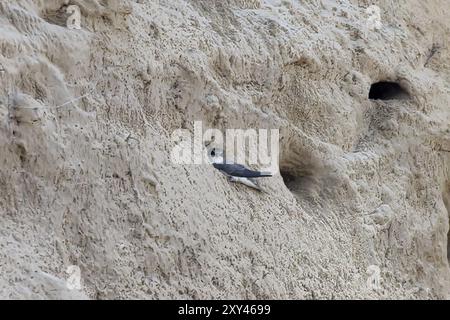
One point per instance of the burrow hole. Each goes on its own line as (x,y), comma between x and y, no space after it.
(299,172)
(297,181)
(387,90)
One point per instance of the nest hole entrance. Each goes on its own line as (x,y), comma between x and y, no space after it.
(387,90)
(299,169)
(298,182)
(290,180)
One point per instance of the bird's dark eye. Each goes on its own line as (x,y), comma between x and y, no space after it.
(213,152)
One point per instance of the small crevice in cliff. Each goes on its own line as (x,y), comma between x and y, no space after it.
(387,90)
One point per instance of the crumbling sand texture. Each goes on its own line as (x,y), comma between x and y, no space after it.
(90,183)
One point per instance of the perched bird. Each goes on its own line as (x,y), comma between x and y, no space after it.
(236,172)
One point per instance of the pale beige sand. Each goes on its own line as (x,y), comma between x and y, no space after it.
(91,183)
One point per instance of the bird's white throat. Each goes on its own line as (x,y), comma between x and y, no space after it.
(218,160)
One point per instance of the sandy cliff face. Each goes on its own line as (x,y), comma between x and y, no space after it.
(364,184)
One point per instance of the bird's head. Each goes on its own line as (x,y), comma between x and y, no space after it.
(215,155)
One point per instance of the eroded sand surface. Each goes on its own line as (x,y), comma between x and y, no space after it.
(91,184)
